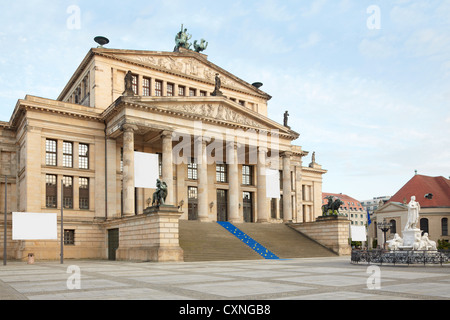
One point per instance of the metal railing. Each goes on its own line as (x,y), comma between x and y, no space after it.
(380,256)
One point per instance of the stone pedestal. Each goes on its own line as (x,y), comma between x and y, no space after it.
(410,237)
(152,236)
(331,232)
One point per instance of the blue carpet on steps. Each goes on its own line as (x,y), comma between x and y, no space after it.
(258,248)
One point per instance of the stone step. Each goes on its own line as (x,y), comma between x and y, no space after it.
(208,241)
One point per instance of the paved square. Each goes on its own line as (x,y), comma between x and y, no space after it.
(292,279)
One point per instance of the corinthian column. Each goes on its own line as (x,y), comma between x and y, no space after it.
(167,165)
(262,209)
(128,169)
(233,175)
(202,167)
(287,205)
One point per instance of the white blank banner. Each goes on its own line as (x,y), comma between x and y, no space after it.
(272,183)
(146,170)
(34,226)
(358,233)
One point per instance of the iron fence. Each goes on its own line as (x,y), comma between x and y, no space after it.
(380,256)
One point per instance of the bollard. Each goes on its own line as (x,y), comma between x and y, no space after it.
(31,258)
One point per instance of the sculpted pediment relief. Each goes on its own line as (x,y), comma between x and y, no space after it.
(188,66)
(219,112)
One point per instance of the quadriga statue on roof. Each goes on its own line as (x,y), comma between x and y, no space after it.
(181,40)
(200,47)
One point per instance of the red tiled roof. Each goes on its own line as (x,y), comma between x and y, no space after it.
(345,198)
(419,186)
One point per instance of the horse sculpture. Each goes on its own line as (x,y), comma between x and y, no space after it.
(332,207)
(160,195)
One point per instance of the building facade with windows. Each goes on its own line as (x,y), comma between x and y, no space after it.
(78,151)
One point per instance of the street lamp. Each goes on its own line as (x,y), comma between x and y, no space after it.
(384,226)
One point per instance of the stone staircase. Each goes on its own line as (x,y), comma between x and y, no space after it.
(209,241)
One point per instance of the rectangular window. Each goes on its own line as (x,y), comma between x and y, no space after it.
(221,172)
(160,164)
(68,192)
(67,154)
(247,175)
(84,193)
(50,191)
(69,237)
(170,90)
(202,93)
(134,84)
(158,88)
(192,170)
(192,193)
(50,152)
(181,91)
(192,92)
(146,87)
(83,156)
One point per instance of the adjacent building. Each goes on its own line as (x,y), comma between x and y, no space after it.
(433,195)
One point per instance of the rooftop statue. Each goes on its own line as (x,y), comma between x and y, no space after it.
(200,47)
(181,40)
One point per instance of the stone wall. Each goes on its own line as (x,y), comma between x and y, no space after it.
(331,232)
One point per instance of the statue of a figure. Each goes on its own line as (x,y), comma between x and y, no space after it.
(395,243)
(217,86)
(128,84)
(160,195)
(181,40)
(413,214)
(286,119)
(200,47)
(332,207)
(428,244)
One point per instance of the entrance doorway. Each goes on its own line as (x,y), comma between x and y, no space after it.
(192,203)
(113,243)
(247,206)
(222,205)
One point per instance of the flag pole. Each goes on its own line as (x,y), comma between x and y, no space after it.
(6,218)
(62,223)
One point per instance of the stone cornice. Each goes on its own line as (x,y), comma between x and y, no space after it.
(52,106)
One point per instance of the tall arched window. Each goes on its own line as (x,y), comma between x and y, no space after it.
(424,225)
(444,226)
(393,226)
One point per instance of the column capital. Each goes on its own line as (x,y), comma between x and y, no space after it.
(127,127)
(201,139)
(286,154)
(166,134)
(262,149)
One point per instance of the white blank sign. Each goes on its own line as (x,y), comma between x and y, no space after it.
(272,183)
(34,226)
(146,170)
(358,233)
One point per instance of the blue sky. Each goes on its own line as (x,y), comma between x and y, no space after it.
(368,91)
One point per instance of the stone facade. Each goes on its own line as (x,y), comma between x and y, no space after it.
(86,139)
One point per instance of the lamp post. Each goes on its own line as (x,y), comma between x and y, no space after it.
(384,226)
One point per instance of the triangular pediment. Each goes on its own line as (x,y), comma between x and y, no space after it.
(187,64)
(391,206)
(218,110)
